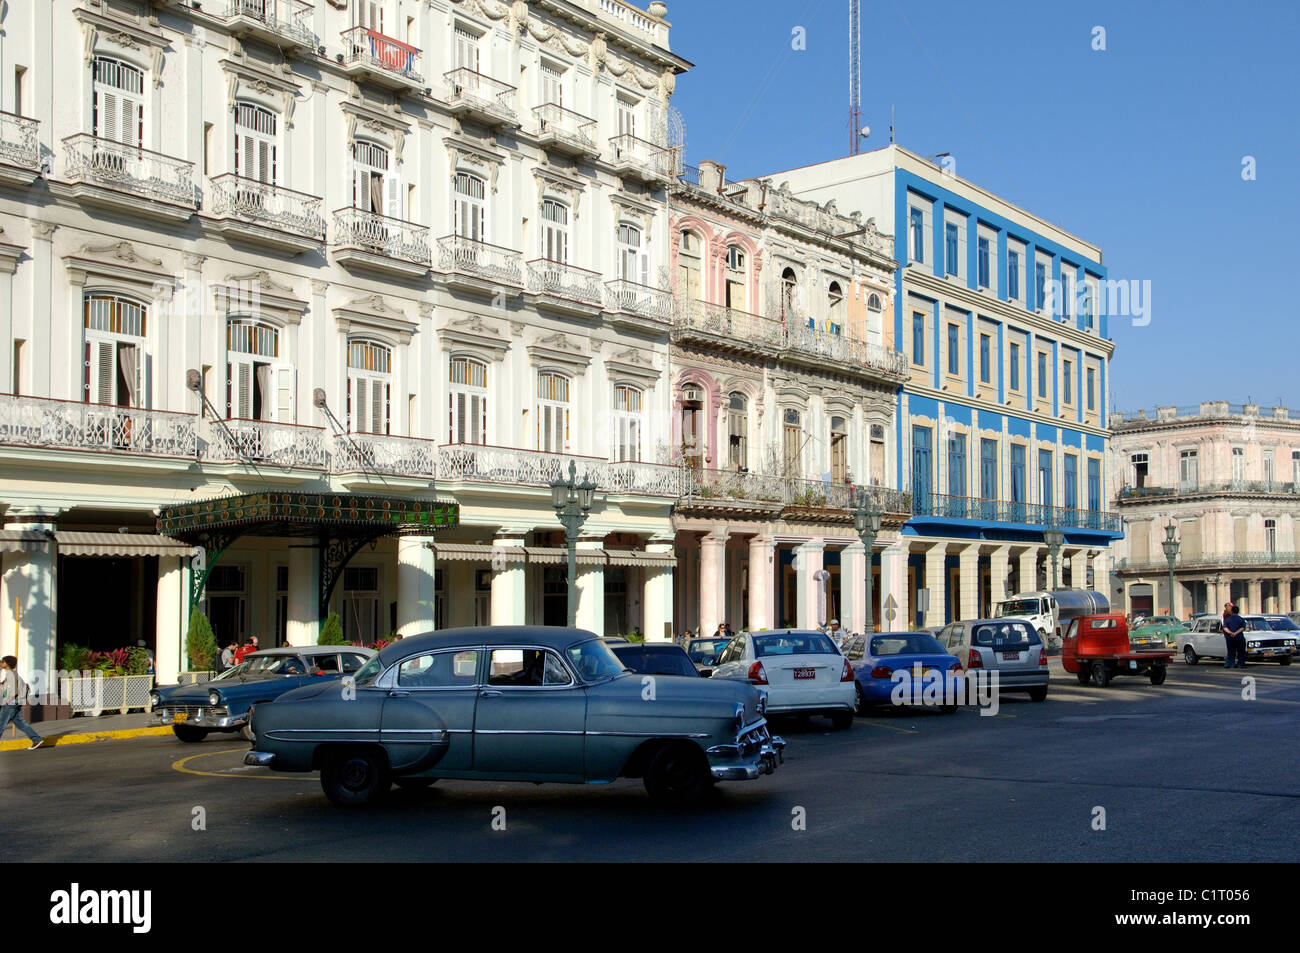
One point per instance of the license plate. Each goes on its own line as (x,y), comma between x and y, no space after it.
(179,716)
(1011,656)
(805,673)
(1132,664)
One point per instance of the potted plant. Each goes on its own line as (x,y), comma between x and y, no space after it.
(200,649)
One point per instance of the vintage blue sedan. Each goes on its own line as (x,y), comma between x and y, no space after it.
(515,703)
(223,703)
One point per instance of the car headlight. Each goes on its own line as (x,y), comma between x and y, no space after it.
(214,697)
(1254,645)
(154,699)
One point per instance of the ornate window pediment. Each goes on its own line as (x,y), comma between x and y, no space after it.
(471,334)
(632,364)
(373,315)
(557,349)
(258,293)
(119,263)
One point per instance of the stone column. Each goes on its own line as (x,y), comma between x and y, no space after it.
(29,580)
(1101,576)
(1029,569)
(808,562)
(713,580)
(1079,569)
(1295,597)
(893,586)
(170,621)
(998,570)
(591,586)
(657,594)
(1212,601)
(509,590)
(935,579)
(1270,601)
(1253,600)
(303,625)
(762,582)
(853,588)
(968,561)
(415,566)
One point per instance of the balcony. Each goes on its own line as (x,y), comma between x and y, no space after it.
(398,458)
(819,347)
(761,495)
(636,306)
(286,446)
(368,241)
(267,214)
(1245,561)
(282,23)
(509,466)
(20,151)
(111,174)
(940,506)
(480,97)
(565,131)
(1138,494)
(558,286)
(726,329)
(477,266)
(380,59)
(47,424)
(639,159)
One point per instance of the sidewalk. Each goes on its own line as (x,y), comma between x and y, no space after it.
(83,729)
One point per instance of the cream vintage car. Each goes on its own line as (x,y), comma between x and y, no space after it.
(515,703)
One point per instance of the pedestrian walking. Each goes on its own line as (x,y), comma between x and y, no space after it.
(13,693)
(1234,636)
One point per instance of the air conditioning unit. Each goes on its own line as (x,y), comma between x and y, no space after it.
(693,394)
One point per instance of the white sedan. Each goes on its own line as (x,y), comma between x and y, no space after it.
(802,670)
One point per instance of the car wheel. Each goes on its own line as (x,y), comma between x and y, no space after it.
(355,777)
(842,720)
(1189,654)
(189,734)
(414,783)
(1084,676)
(1038,694)
(678,775)
(859,701)
(1100,674)
(1157,675)
(1284,661)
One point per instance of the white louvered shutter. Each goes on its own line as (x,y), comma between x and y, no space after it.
(239,389)
(101,368)
(286,380)
(394,199)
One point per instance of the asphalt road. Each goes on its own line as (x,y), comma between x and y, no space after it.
(1188,771)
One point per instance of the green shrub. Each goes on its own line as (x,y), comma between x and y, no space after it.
(200,643)
(137,661)
(74,658)
(332,632)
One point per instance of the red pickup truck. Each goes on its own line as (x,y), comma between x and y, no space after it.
(1096,649)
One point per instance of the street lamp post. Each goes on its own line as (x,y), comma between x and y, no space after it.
(1054,538)
(866,520)
(572,502)
(1171,553)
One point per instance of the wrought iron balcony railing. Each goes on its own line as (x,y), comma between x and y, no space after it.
(777,492)
(1254,487)
(457,255)
(838,347)
(565,126)
(385,454)
(289,18)
(270,205)
(289,446)
(483,94)
(18,143)
(727,324)
(151,175)
(71,425)
(370,231)
(1001,511)
(562,280)
(651,160)
(1217,561)
(641,300)
(373,49)
(487,464)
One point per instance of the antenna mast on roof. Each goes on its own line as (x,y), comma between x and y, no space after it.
(855,77)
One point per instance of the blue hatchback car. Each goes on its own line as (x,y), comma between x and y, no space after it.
(877,657)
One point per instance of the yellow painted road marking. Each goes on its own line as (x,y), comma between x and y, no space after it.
(180,766)
(876,724)
(53,741)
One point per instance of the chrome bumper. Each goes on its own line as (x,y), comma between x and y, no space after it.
(259,759)
(217,719)
(754,753)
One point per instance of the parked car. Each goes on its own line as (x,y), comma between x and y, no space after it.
(515,703)
(1206,640)
(1294,617)
(703,652)
(1009,646)
(1284,623)
(1152,636)
(222,704)
(876,659)
(655,658)
(802,670)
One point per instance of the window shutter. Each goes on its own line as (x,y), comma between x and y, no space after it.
(106,365)
(242,372)
(357,422)
(106,114)
(460,416)
(379,409)
(285,390)
(394,207)
(480,420)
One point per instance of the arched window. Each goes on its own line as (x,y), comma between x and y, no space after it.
(627,423)
(114,370)
(877,463)
(467,401)
(737,286)
(633,260)
(469,207)
(255,143)
(555,231)
(873,302)
(689,266)
(835,308)
(117,103)
(369,386)
(839,450)
(788,285)
(373,188)
(792,442)
(258,385)
(738,431)
(552,412)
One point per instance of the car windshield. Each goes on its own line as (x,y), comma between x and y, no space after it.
(793,643)
(261,665)
(1282,625)
(1257,623)
(1019,607)
(1006,635)
(906,645)
(234,673)
(368,672)
(594,660)
(703,649)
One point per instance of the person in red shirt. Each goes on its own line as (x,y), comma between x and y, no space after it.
(246,649)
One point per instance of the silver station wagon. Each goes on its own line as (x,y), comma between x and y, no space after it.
(515,703)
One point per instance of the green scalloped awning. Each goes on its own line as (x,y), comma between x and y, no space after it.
(305,514)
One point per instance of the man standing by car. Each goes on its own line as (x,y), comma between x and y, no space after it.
(1234,635)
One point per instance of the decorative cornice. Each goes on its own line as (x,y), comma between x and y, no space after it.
(374,313)
(471,332)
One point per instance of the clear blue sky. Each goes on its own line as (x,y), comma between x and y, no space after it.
(1137,148)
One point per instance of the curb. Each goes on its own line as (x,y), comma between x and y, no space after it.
(54,741)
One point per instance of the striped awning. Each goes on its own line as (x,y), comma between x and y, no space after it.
(638,557)
(79,543)
(23,541)
(477,552)
(559,556)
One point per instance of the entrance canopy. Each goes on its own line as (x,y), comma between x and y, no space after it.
(341,523)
